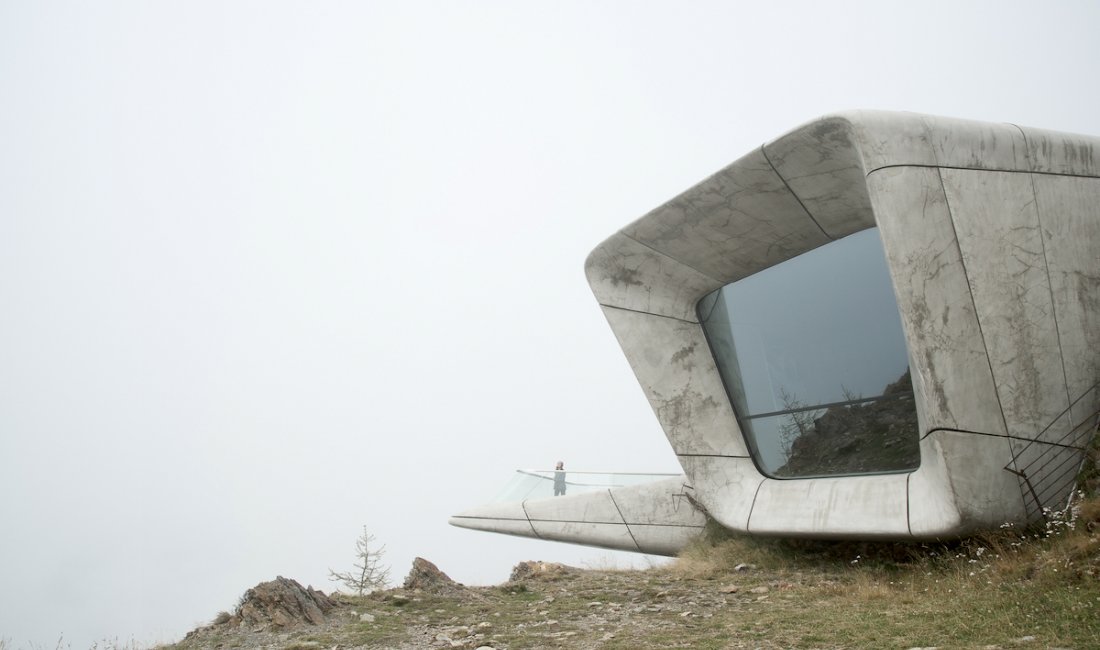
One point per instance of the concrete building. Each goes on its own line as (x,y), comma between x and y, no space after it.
(877,326)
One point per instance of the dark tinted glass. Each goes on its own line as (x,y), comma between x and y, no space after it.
(814,360)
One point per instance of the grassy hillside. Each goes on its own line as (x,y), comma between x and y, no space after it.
(1038,589)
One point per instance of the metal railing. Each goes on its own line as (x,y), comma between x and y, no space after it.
(1048,468)
(539,483)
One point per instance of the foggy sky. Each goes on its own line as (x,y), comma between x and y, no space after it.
(273,271)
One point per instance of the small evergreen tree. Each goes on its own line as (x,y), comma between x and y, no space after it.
(368,573)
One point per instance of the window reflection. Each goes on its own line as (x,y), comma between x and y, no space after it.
(814,360)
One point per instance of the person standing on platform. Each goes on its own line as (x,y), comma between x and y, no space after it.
(559,479)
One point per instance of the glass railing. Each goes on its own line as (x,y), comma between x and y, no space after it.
(540,483)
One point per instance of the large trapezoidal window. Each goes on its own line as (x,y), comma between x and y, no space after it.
(813,357)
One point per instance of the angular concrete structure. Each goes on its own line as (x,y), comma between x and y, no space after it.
(879,325)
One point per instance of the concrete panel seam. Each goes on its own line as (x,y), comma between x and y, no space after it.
(710,312)
(613,523)
(929,137)
(752,506)
(597,523)
(628,531)
(908,517)
(710,456)
(674,259)
(1001,435)
(978,169)
(547,520)
(1046,264)
(647,313)
(523,504)
(973,302)
(764,151)
(1027,150)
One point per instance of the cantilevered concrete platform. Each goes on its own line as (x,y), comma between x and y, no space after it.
(653,517)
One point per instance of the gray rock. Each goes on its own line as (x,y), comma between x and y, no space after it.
(427,577)
(282,603)
(539,570)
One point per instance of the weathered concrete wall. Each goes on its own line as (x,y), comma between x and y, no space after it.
(992,235)
(992,238)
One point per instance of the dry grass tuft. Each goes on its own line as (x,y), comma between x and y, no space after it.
(989,589)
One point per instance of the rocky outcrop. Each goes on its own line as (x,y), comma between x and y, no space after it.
(281,603)
(536,570)
(427,577)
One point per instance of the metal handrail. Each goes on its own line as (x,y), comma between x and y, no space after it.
(539,472)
